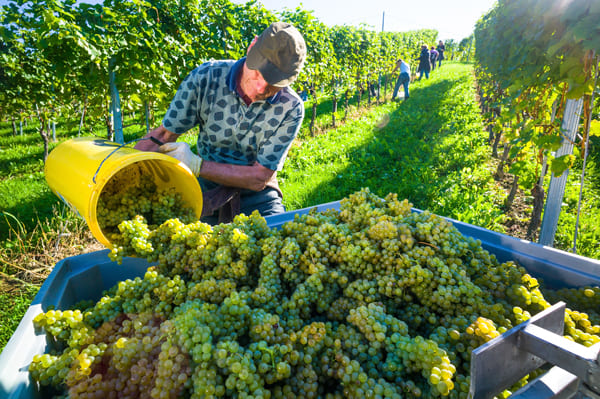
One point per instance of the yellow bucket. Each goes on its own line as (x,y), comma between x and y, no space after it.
(79,169)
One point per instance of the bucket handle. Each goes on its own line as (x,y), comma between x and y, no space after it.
(153,139)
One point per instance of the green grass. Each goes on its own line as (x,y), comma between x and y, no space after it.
(13,305)
(324,110)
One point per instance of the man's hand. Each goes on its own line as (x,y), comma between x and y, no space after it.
(161,134)
(182,152)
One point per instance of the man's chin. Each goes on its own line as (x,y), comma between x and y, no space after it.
(261,97)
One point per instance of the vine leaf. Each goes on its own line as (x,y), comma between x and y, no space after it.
(562,163)
(549,142)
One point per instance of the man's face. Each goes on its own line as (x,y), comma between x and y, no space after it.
(255,86)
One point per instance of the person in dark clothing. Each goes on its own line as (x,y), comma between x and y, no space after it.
(440,49)
(424,62)
(433,57)
(371,85)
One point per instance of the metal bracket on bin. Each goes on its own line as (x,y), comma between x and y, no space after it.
(503,361)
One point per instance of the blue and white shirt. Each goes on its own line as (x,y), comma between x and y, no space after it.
(229,130)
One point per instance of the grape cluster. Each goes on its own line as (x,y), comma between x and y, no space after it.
(373,301)
(137,202)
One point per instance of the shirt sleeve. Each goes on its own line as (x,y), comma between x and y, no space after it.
(274,148)
(183,113)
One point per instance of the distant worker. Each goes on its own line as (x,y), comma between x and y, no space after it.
(440,49)
(303,95)
(403,78)
(247,116)
(424,62)
(371,85)
(433,57)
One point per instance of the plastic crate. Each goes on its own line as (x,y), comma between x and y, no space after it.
(73,279)
(84,277)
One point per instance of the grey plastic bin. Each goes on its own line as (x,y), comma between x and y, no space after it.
(86,276)
(72,280)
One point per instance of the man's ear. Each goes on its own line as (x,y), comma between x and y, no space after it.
(251,44)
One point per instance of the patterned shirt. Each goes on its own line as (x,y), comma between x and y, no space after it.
(229,130)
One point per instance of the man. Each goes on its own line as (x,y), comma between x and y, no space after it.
(424,62)
(441,48)
(248,117)
(403,78)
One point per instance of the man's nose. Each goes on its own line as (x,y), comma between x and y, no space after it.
(261,86)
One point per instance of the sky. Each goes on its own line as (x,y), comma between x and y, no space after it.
(453,19)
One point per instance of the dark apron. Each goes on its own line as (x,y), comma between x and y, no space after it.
(221,203)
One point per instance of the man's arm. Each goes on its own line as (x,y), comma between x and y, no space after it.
(161,134)
(253,177)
